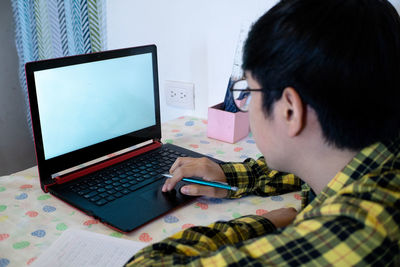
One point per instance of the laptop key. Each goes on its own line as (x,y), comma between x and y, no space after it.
(82,188)
(101,202)
(125,191)
(75,188)
(133,187)
(83,192)
(110,198)
(105,194)
(94,199)
(91,194)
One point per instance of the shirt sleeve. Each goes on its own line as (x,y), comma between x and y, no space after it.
(195,243)
(254,241)
(255,177)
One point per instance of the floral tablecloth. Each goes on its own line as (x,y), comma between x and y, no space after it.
(30,220)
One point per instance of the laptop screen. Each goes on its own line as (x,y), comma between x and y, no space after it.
(85,104)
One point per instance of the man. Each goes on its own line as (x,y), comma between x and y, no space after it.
(324,82)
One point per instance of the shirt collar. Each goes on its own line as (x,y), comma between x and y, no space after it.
(364,162)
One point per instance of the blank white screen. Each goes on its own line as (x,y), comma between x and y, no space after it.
(88,103)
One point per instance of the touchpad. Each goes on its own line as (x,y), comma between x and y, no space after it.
(154,193)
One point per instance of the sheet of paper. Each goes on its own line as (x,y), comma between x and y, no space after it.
(84,248)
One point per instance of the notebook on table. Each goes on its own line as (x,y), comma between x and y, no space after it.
(86,107)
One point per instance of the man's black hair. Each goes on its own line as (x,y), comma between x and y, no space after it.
(341,56)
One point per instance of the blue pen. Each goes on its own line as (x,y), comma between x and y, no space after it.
(202,182)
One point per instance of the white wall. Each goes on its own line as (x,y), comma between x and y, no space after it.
(196,41)
(396,4)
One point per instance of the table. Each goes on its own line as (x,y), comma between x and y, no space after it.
(31,220)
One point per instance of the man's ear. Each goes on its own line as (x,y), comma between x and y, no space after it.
(294,111)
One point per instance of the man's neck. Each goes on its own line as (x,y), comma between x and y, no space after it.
(321,166)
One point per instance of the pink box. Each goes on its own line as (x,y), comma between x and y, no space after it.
(227,126)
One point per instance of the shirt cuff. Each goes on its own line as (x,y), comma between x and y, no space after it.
(238,178)
(259,224)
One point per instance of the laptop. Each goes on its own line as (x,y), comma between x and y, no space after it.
(97,131)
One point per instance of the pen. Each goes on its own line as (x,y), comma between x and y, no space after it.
(202,182)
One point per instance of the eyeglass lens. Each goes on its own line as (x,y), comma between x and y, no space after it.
(240,96)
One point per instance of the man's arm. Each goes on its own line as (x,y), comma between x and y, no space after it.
(326,239)
(255,177)
(251,177)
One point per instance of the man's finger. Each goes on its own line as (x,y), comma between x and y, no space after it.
(179,162)
(182,167)
(183,171)
(200,190)
(171,182)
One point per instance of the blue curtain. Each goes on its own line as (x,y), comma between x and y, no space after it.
(57,28)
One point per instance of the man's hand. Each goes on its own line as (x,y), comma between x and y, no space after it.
(198,167)
(281,217)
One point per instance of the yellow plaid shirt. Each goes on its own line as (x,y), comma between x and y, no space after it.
(355,220)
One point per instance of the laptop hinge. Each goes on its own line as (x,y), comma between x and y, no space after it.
(106,163)
(46,187)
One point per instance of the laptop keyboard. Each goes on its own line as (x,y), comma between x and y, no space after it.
(119,180)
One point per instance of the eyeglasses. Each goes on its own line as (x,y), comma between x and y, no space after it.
(240,92)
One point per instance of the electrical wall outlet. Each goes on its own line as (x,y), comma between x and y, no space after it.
(179,94)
